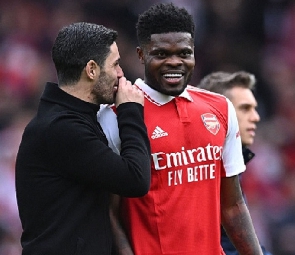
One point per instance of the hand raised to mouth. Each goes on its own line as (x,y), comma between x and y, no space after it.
(126,92)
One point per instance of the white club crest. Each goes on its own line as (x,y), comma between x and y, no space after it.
(211,122)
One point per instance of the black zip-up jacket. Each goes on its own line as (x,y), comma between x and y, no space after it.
(65,172)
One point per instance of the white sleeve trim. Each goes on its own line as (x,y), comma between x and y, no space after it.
(232,151)
(108,121)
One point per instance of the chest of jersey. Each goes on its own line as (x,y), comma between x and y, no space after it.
(181,210)
(186,139)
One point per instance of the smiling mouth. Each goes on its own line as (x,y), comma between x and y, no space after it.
(173,77)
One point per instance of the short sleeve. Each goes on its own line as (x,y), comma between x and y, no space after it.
(232,151)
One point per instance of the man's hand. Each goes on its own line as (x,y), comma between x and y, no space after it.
(128,93)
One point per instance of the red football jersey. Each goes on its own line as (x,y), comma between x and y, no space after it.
(195,141)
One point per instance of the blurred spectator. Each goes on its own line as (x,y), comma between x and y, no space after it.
(10,226)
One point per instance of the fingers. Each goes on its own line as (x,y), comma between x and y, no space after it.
(128,93)
(125,84)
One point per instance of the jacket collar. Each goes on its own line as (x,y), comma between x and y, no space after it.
(248,155)
(54,94)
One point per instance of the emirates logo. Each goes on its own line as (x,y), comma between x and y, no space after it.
(211,122)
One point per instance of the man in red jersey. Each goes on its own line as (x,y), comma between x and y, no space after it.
(196,152)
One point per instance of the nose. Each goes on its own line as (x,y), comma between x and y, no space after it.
(255,116)
(120,72)
(173,60)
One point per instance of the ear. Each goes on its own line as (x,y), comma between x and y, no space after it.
(140,54)
(92,69)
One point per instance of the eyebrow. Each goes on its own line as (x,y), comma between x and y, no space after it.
(247,105)
(116,61)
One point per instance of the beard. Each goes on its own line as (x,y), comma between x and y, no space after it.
(103,90)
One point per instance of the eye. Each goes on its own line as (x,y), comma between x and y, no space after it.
(245,108)
(117,63)
(161,54)
(186,53)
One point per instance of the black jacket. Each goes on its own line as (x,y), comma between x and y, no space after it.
(65,172)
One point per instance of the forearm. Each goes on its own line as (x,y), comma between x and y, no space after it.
(135,146)
(121,242)
(239,227)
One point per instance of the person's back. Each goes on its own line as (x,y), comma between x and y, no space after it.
(44,182)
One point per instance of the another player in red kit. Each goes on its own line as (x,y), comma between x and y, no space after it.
(196,152)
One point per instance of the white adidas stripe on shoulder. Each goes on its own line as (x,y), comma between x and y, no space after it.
(197,89)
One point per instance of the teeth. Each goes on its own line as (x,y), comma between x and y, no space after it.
(172,75)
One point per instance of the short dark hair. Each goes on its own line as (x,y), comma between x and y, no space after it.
(163,18)
(78,43)
(221,82)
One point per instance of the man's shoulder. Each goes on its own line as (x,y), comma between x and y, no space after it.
(206,95)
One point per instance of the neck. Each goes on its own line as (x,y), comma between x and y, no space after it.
(79,91)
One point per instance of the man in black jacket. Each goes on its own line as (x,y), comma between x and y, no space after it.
(238,87)
(65,170)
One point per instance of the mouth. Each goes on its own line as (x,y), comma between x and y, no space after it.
(251,131)
(115,89)
(173,77)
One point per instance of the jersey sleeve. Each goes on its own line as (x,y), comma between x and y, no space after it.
(232,151)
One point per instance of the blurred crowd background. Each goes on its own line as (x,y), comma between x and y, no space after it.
(231,35)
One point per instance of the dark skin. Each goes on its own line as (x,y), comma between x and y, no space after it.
(169,63)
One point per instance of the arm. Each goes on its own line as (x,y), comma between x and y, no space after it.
(81,154)
(121,242)
(236,219)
